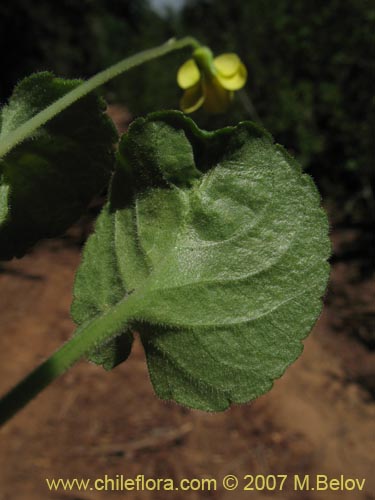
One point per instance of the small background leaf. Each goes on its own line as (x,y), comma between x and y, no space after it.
(225,272)
(52,176)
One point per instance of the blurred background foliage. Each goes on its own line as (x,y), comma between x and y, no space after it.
(311,71)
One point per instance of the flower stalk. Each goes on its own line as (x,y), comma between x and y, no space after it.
(17,136)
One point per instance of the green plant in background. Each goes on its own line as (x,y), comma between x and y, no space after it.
(212,245)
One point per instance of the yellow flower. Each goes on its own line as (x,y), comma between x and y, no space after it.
(209,81)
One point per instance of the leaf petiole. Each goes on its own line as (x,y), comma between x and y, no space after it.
(87,337)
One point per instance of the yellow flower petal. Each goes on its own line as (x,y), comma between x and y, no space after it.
(227,64)
(236,81)
(216,98)
(192,99)
(188,74)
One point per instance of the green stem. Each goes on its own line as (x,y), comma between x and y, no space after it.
(29,127)
(88,336)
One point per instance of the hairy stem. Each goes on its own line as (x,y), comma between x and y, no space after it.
(28,128)
(88,336)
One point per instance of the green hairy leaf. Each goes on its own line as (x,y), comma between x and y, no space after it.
(47,181)
(218,243)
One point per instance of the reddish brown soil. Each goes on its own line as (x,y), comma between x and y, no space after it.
(318,418)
